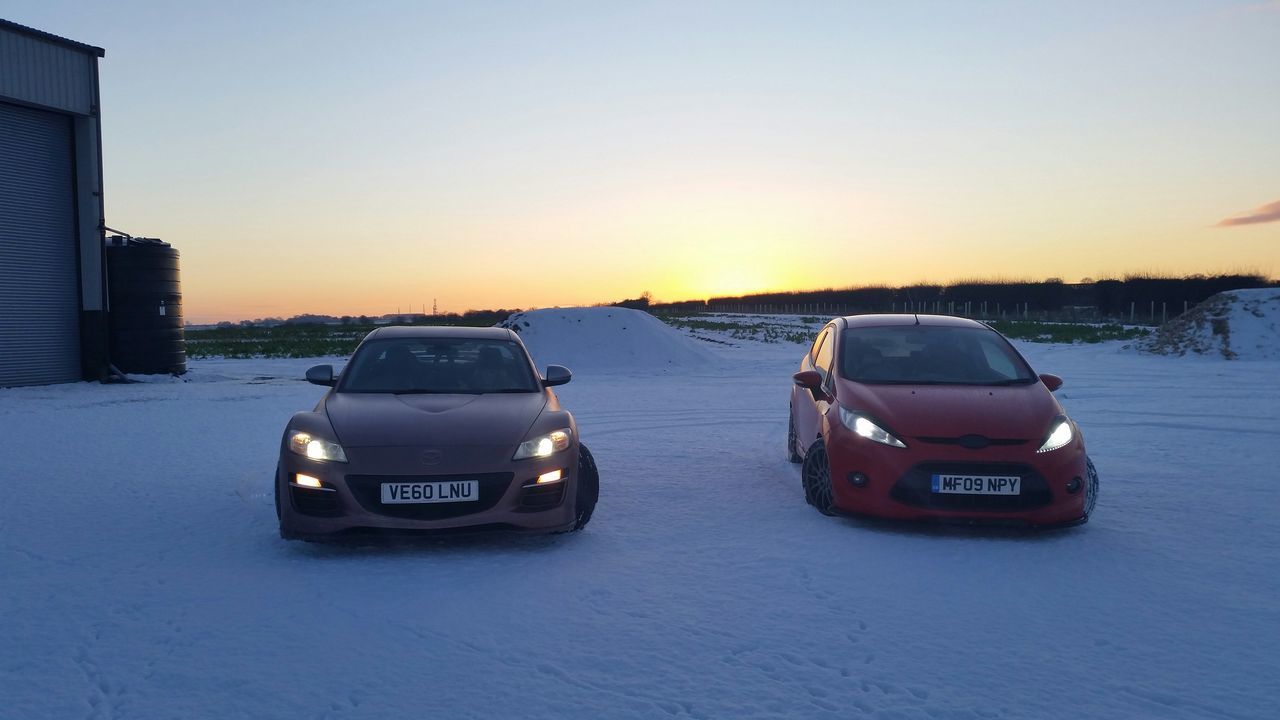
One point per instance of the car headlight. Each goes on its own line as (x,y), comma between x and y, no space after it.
(314,448)
(543,446)
(863,427)
(1060,436)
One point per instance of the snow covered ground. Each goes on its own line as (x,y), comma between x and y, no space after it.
(141,577)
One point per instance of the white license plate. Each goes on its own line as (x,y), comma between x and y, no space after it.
(977,484)
(430,492)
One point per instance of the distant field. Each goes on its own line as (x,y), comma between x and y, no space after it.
(315,340)
(290,341)
(1068,332)
(802,329)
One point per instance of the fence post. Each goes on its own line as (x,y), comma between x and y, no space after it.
(1131,306)
(1164,312)
(1153,311)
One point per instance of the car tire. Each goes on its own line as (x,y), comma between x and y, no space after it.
(1090,490)
(284,533)
(816,476)
(792,455)
(584,503)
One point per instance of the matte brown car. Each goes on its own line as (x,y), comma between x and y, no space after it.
(434,430)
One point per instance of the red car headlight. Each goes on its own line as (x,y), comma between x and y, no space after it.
(865,427)
(1060,436)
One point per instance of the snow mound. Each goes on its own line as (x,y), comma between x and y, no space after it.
(606,339)
(1238,324)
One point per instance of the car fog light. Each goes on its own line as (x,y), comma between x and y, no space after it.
(550,477)
(858,479)
(306,481)
(1073,485)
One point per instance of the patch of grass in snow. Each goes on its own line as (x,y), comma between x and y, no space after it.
(752,328)
(1045,332)
(786,330)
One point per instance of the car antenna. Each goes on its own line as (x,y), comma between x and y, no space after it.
(917,318)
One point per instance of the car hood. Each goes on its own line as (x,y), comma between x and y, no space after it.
(952,411)
(388,420)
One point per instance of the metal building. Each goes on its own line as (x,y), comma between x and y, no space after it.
(52,280)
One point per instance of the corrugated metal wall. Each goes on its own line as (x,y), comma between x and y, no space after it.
(39,295)
(52,298)
(39,72)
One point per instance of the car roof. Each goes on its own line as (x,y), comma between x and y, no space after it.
(898,319)
(440,331)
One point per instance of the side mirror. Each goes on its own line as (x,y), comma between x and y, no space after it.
(556,375)
(1053,382)
(809,379)
(320,375)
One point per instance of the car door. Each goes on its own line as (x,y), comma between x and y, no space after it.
(805,402)
(824,363)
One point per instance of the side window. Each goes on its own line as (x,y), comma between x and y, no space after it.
(826,353)
(817,343)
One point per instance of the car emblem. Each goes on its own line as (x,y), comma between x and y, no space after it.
(432,457)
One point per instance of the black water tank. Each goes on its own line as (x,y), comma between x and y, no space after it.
(145,317)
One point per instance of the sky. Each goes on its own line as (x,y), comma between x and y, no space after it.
(367,158)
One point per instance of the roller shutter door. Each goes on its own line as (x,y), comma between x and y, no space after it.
(39,298)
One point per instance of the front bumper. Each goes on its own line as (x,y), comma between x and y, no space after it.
(897,481)
(349,500)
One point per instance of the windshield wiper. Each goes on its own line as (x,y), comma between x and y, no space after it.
(506,390)
(418,391)
(1011,381)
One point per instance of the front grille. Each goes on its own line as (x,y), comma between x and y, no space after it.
(542,497)
(367,490)
(323,503)
(915,488)
(973,442)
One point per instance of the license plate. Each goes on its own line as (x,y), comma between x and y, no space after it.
(977,484)
(430,492)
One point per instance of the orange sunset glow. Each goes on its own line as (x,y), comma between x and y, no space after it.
(529,159)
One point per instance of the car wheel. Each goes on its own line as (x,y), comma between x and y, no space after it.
(792,455)
(1090,490)
(817,478)
(588,488)
(284,534)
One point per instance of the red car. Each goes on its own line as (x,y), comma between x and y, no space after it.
(934,418)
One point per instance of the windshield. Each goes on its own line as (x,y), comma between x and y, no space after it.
(931,355)
(439,365)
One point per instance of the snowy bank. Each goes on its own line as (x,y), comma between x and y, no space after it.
(1239,324)
(606,339)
